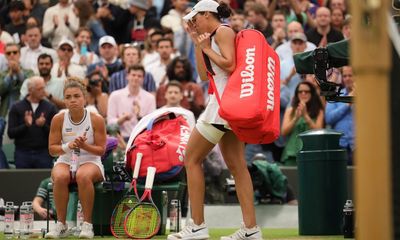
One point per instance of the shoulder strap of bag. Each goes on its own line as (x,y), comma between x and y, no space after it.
(212,89)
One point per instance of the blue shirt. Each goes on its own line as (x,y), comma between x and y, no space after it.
(340,117)
(118,81)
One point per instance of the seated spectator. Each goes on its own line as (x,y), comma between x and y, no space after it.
(12,78)
(346,28)
(131,55)
(165,48)
(180,70)
(64,67)
(337,19)
(306,112)
(54,86)
(284,51)
(87,132)
(83,9)
(174,96)
(60,22)
(150,54)
(34,48)
(257,16)
(109,62)
(83,53)
(238,20)
(113,18)
(16,28)
(278,24)
(128,105)
(323,33)
(95,96)
(29,124)
(289,77)
(340,115)
(143,17)
(290,8)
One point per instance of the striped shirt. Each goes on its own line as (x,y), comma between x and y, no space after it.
(118,81)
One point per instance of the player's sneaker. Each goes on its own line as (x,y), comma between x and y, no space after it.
(60,231)
(191,231)
(87,230)
(245,234)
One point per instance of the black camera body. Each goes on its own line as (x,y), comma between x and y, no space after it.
(330,90)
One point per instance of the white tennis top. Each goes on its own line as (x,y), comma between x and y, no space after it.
(210,114)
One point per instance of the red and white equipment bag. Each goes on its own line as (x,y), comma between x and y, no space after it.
(251,99)
(162,144)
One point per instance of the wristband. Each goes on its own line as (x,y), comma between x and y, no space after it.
(65,148)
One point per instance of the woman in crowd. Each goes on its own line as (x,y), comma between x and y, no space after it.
(72,130)
(305,113)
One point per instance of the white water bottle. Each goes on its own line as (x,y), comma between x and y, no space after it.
(26,220)
(76,152)
(79,217)
(9,218)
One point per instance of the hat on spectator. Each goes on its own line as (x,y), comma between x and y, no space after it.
(202,6)
(142,4)
(299,36)
(107,39)
(66,41)
(16,5)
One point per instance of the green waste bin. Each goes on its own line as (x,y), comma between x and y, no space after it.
(322,183)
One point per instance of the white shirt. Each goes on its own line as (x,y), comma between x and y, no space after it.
(62,30)
(158,70)
(29,57)
(73,70)
(284,51)
(55,87)
(172,20)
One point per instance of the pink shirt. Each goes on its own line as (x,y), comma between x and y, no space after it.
(121,101)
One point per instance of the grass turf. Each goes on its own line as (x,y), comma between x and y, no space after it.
(268,234)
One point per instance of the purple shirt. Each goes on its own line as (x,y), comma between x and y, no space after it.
(121,101)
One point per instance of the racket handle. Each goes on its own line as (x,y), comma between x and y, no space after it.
(137,165)
(151,172)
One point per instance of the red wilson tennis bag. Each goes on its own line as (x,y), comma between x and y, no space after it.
(251,99)
(163,146)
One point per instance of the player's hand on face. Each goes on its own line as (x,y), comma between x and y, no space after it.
(204,41)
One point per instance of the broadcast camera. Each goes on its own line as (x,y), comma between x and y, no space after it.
(319,62)
(330,90)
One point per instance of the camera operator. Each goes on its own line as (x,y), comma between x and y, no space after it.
(96,97)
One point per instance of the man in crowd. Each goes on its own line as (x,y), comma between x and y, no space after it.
(60,22)
(180,70)
(29,124)
(64,67)
(54,86)
(340,115)
(128,105)
(323,33)
(11,80)
(165,48)
(33,48)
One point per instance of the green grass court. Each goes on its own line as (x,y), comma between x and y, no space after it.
(269,234)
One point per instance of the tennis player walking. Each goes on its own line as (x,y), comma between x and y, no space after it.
(217,43)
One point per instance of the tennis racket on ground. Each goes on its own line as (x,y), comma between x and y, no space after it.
(143,220)
(126,203)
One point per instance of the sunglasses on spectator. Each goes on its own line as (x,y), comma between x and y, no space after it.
(303,91)
(66,49)
(12,53)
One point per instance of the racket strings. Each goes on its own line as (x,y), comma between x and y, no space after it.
(117,221)
(143,221)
